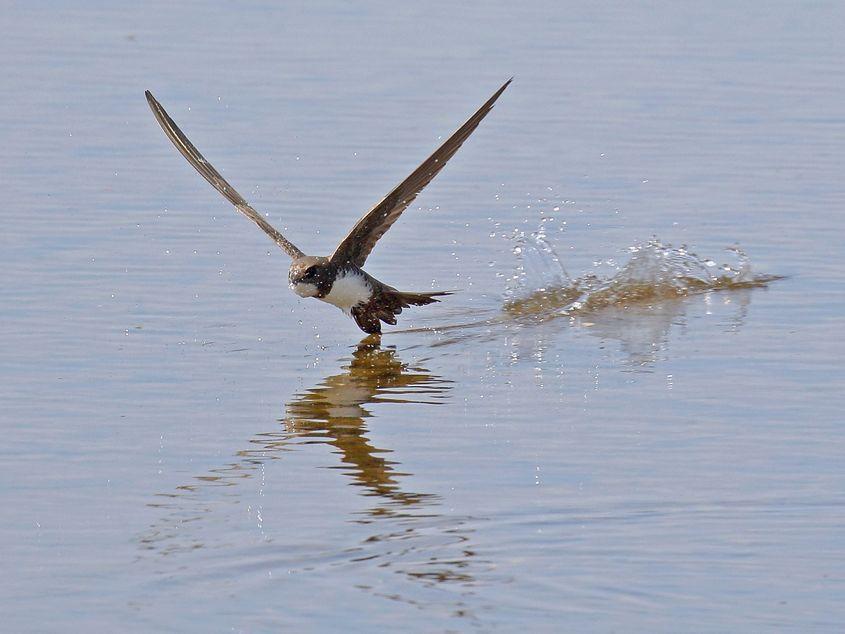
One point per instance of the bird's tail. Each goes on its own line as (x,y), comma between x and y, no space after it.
(419,299)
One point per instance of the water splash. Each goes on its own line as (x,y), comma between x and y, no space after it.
(540,287)
(538,265)
(648,285)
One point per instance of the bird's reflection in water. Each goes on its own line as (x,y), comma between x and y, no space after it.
(408,534)
(335,412)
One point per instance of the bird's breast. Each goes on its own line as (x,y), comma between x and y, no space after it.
(349,289)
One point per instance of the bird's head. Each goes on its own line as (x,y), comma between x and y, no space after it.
(310,276)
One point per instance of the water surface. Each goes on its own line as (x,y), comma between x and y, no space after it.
(190,447)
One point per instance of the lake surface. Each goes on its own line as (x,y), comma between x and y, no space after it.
(188,446)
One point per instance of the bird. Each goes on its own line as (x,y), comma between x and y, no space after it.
(339,279)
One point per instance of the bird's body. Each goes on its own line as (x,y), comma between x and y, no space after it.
(350,289)
(353,290)
(340,279)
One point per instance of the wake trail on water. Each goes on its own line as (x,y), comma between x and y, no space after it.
(540,288)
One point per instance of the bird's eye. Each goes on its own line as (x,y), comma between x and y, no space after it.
(309,272)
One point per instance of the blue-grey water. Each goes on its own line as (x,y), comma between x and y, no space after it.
(188,446)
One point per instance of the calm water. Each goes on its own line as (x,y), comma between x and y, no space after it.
(190,447)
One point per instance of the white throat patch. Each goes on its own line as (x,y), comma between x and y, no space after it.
(349,289)
(304,289)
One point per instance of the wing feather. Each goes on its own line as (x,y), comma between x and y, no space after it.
(356,246)
(207,171)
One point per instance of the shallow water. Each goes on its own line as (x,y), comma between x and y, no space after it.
(190,447)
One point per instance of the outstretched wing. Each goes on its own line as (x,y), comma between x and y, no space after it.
(210,174)
(356,246)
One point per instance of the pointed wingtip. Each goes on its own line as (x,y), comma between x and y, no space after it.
(498,93)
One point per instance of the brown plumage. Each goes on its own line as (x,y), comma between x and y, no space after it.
(385,304)
(356,246)
(339,279)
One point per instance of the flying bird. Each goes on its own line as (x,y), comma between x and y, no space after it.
(339,279)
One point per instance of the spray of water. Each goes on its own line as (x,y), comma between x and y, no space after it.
(541,288)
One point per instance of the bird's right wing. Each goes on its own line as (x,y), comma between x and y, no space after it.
(356,246)
(207,171)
